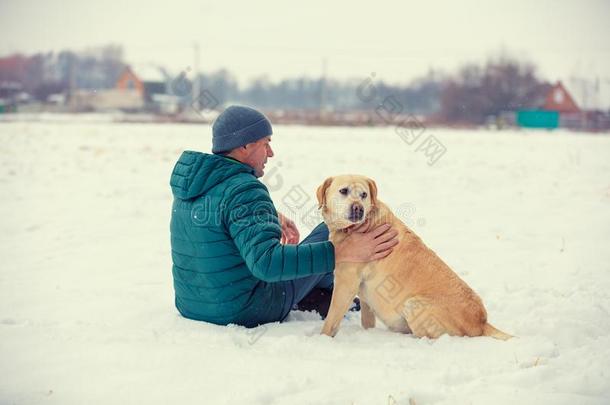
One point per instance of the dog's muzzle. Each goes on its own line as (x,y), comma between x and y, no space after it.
(356,212)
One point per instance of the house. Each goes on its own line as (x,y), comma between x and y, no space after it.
(152,84)
(559,99)
(560,110)
(136,89)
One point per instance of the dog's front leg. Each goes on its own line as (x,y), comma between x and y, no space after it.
(344,291)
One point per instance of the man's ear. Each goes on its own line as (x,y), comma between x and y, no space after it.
(373,190)
(321,193)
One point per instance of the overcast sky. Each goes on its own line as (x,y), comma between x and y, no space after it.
(397,40)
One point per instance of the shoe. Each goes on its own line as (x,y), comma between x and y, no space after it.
(318,300)
(355,307)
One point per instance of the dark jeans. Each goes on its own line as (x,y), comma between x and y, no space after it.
(297,289)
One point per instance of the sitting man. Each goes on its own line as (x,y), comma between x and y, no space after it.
(230,264)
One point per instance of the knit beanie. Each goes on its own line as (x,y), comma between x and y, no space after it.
(238,126)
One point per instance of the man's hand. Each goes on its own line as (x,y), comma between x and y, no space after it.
(290,233)
(360,246)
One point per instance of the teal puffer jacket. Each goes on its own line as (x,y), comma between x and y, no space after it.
(228,263)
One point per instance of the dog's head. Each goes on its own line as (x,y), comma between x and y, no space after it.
(346,200)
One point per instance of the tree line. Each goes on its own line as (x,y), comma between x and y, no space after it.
(471,95)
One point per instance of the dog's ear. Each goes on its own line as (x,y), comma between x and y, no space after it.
(321,193)
(373,190)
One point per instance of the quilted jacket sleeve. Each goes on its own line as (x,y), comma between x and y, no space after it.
(252,221)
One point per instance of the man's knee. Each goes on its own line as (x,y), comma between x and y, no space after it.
(319,234)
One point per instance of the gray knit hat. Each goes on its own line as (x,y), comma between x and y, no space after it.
(238,126)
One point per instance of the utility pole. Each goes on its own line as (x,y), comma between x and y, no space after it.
(323,88)
(581,86)
(71,99)
(196,80)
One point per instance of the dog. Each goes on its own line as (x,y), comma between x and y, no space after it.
(412,290)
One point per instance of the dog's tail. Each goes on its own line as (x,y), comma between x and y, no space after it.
(490,331)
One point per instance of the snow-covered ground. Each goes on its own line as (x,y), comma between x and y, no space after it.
(86,298)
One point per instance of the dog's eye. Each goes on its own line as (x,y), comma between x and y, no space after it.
(363,195)
(343,191)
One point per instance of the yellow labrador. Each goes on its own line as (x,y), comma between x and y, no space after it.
(412,290)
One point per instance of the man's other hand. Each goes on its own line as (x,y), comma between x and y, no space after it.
(290,233)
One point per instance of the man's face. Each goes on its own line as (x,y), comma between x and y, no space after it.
(257,153)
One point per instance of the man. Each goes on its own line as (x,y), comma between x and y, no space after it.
(229,262)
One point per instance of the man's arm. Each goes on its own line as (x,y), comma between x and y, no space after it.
(252,222)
